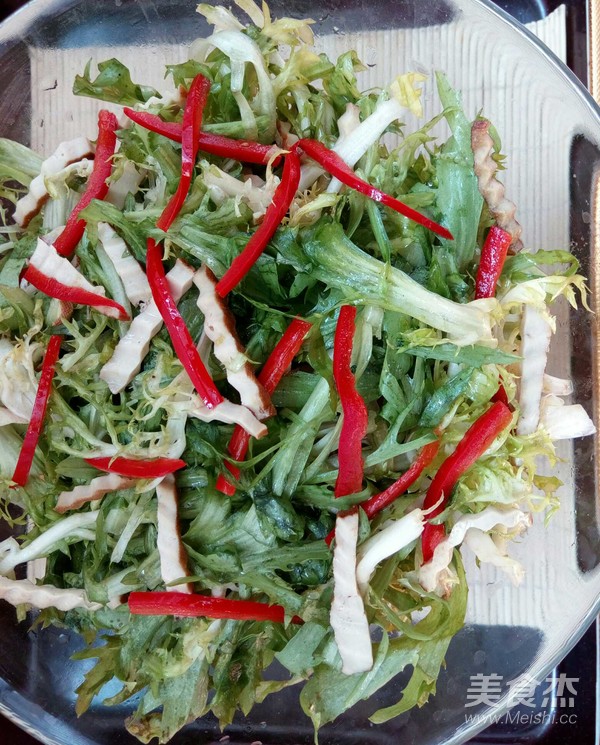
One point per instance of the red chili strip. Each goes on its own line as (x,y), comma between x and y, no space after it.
(384,499)
(237,448)
(379,502)
(137,468)
(493,256)
(153,122)
(473,445)
(97,188)
(501,395)
(283,353)
(40,404)
(338,168)
(190,131)
(180,336)
(53,288)
(276,211)
(354,424)
(245,151)
(272,371)
(184,604)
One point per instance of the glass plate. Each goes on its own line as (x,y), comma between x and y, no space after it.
(551,134)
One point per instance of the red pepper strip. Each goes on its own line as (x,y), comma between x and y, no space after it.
(473,445)
(180,336)
(237,448)
(501,395)
(190,130)
(184,604)
(379,502)
(40,404)
(276,211)
(493,255)
(245,151)
(53,288)
(153,122)
(272,371)
(97,188)
(338,168)
(354,425)
(431,537)
(283,353)
(137,469)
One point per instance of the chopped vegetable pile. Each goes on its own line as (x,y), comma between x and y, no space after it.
(261,374)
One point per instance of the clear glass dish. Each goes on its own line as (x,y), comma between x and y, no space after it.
(551,134)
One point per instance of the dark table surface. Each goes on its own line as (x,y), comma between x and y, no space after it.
(524,10)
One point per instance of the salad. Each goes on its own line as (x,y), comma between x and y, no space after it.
(269,357)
